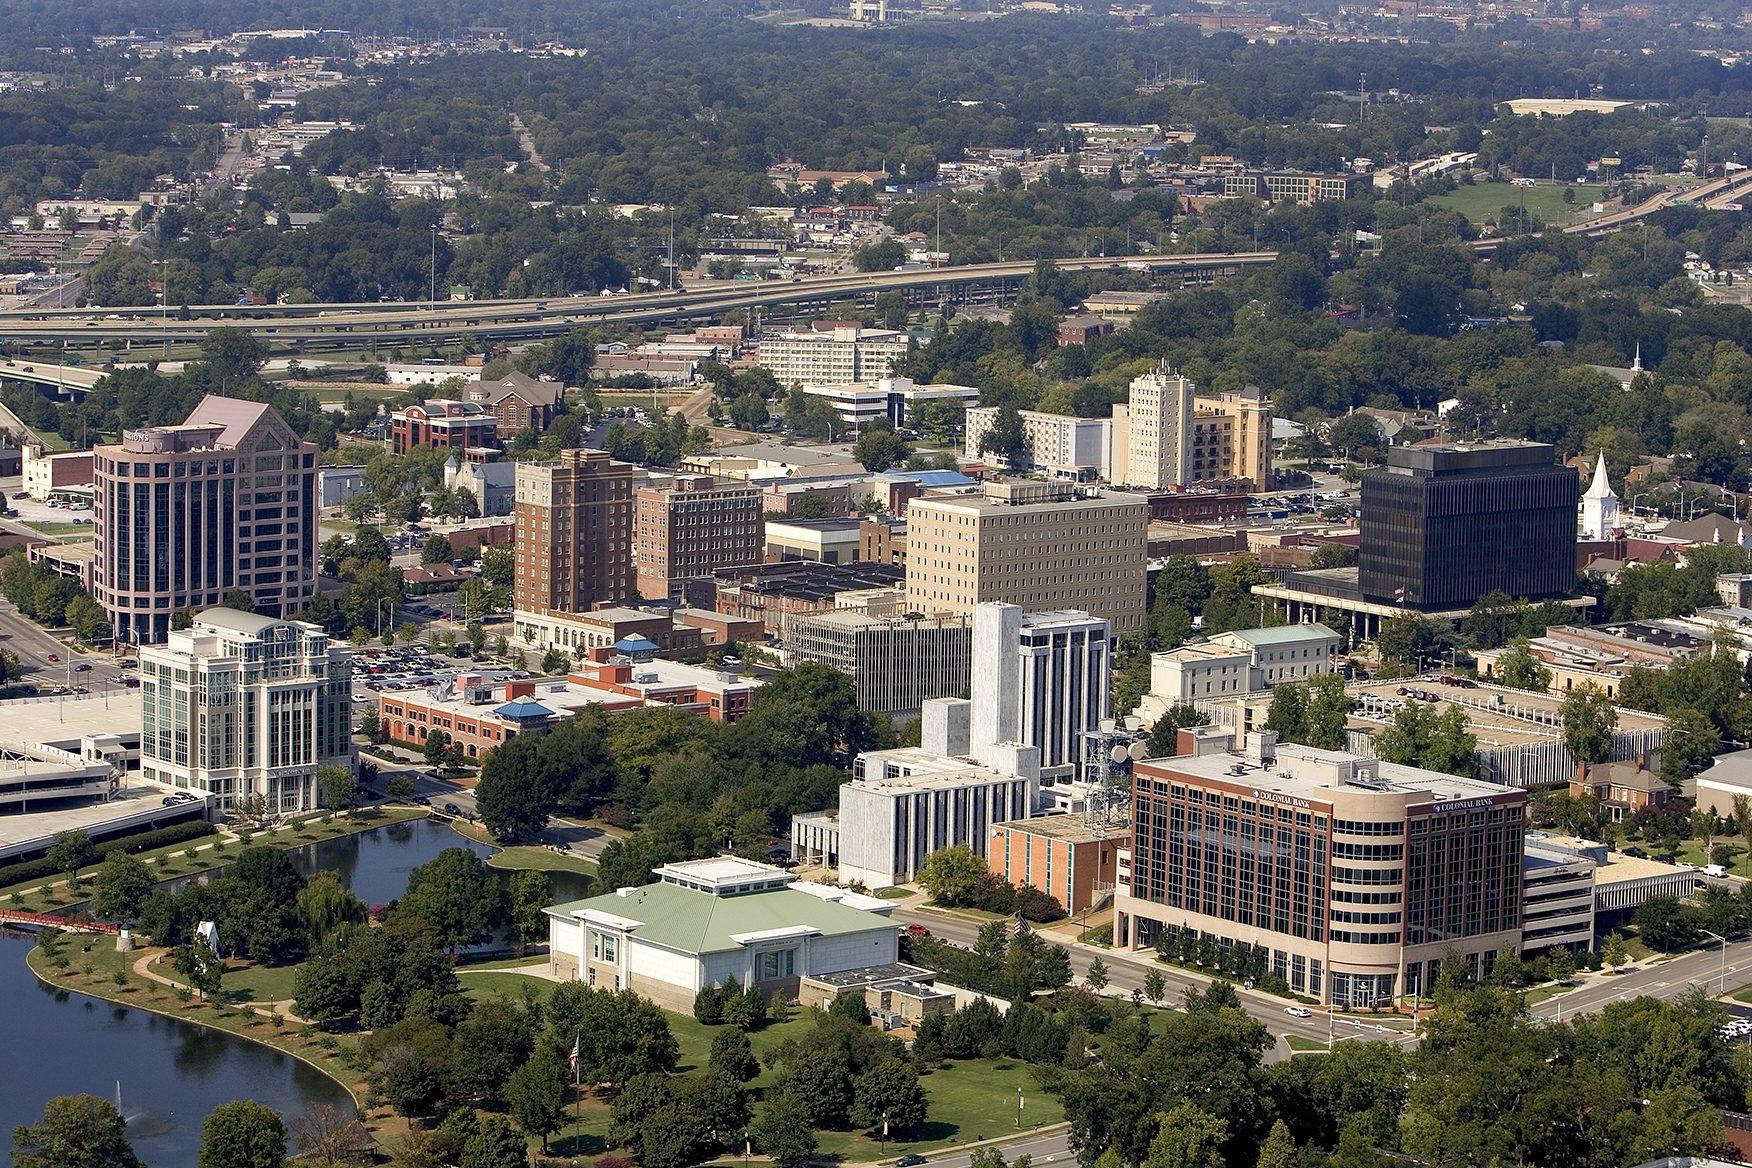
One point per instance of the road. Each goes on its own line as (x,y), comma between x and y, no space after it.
(1700,969)
(1052,1147)
(34,647)
(1126,972)
(288,326)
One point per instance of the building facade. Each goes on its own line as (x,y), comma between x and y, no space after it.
(185,514)
(707,921)
(1039,545)
(445,424)
(1443,525)
(1040,680)
(1231,439)
(895,663)
(1358,877)
(1071,858)
(1063,446)
(838,356)
(689,526)
(245,706)
(574,545)
(1157,423)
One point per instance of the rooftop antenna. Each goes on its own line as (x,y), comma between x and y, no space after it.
(1362,98)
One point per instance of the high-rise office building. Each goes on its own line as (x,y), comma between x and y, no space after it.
(1039,680)
(186,513)
(896,663)
(574,546)
(1442,525)
(1358,877)
(240,705)
(689,526)
(1043,546)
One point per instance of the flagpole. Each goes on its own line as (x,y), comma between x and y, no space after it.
(577,1083)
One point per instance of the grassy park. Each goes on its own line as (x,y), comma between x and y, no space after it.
(1481,202)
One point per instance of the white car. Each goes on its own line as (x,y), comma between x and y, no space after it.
(1298,1011)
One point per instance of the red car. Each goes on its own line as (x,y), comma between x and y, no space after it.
(917,930)
(54,656)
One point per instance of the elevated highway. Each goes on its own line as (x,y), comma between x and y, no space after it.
(354,325)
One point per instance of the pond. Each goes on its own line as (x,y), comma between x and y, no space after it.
(169,1073)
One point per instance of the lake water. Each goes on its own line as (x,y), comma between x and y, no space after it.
(172,1073)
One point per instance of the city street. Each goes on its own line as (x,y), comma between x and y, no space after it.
(1700,969)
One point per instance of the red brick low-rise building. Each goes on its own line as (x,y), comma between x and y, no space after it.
(447,425)
(1067,857)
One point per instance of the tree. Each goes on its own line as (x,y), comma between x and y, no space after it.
(71,851)
(1616,953)
(326,1136)
(1287,712)
(1588,719)
(1519,669)
(1692,742)
(884,255)
(1165,734)
(196,965)
(77,1131)
(494,1144)
(516,794)
(243,1135)
(325,904)
(121,886)
(949,874)
(436,550)
(1096,977)
(878,450)
(1279,1149)
(537,1094)
(1007,439)
(1187,1137)
(456,895)
(86,618)
(1406,638)
(781,1131)
(1327,711)
(733,1054)
(1155,986)
(339,787)
(888,1096)
(532,890)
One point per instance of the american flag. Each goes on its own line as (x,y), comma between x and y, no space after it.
(573,1059)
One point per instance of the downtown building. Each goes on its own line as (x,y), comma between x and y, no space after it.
(689,526)
(1042,546)
(896,663)
(1358,877)
(185,514)
(1442,525)
(574,540)
(831,356)
(245,706)
(1166,436)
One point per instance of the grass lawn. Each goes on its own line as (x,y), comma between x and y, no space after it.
(521,858)
(260,984)
(52,440)
(897,892)
(361,391)
(1543,993)
(1301,1045)
(496,983)
(1483,201)
(49,528)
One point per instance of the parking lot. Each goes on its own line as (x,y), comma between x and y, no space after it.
(412,667)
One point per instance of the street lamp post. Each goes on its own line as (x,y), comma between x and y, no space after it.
(1722,981)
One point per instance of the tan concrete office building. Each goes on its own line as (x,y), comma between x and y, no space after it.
(575,519)
(185,514)
(689,526)
(1042,546)
(1167,436)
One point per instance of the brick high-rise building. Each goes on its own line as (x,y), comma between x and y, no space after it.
(574,546)
(185,514)
(689,526)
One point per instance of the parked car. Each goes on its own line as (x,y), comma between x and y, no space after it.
(1298,1011)
(917,930)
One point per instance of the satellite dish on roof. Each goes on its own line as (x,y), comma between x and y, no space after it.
(1139,750)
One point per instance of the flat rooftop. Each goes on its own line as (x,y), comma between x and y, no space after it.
(1497,716)
(1305,772)
(57,720)
(138,798)
(868,975)
(1070,828)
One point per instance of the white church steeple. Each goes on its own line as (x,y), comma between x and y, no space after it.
(1599,508)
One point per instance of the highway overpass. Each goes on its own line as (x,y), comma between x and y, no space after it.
(358,325)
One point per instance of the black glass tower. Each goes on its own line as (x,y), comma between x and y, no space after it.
(1444,524)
